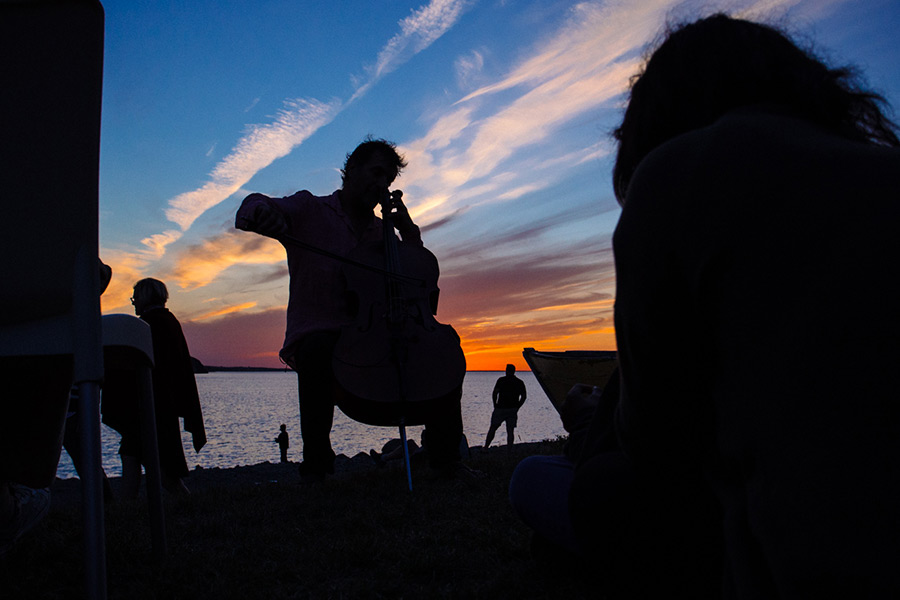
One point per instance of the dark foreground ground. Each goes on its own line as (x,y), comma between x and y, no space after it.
(255,532)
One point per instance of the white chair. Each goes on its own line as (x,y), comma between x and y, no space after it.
(128,345)
(50,97)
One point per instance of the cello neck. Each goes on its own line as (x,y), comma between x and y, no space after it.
(391,260)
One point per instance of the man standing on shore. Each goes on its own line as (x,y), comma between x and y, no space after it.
(508,397)
(318,306)
(283,442)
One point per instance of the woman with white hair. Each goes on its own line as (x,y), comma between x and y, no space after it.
(174,393)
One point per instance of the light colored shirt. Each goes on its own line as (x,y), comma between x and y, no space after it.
(317,289)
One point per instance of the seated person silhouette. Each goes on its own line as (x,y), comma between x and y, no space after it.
(757,329)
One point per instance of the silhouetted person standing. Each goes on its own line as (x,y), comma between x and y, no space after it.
(175,395)
(318,305)
(283,443)
(508,397)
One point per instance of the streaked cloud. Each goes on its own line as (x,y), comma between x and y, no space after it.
(260,147)
(299,118)
(262,276)
(468,67)
(156,244)
(583,67)
(221,312)
(417,32)
(520,284)
(199,264)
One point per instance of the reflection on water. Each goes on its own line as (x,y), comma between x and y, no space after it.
(243,411)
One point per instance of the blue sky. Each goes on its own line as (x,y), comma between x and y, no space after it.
(502,108)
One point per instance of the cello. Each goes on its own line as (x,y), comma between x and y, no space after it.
(395,364)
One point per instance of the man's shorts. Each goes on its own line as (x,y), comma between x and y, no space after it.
(510,415)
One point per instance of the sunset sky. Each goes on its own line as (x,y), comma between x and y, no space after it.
(503,109)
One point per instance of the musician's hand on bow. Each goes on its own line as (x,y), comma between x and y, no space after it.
(267,221)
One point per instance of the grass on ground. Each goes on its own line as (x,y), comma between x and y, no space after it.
(360,535)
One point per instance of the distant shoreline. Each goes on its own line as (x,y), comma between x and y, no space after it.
(214,369)
(201,368)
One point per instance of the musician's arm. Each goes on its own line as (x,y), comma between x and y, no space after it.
(259,213)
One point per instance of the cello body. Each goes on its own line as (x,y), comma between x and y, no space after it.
(395,364)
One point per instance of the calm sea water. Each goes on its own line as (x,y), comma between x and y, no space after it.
(243,411)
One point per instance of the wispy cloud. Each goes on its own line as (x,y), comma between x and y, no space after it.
(470,154)
(298,119)
(581,68)
(199,264)
(417,32)
(595,36)
(221,312)
(260,147)
(468,68)
(155,245)
(499,307)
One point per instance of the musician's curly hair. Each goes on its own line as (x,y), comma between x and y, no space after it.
(705,68)
(370,147)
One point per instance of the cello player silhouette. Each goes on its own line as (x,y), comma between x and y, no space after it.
(318,307)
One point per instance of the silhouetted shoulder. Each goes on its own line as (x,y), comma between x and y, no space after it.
(753,151)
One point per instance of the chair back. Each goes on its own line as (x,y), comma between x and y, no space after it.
(50,97)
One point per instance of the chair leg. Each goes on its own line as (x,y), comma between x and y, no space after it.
(406,455)
(150,451)
(92,491)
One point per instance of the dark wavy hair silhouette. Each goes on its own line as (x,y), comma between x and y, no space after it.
(708,67)
(368,148)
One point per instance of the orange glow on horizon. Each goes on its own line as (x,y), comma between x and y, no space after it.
(241,339)
(244,335)
(491,357)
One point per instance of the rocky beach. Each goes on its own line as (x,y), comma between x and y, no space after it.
(257,532)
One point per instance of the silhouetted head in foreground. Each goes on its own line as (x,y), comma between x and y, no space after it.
(706,68)
(510,369)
